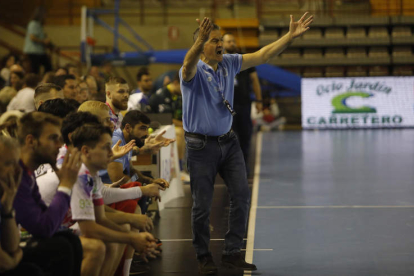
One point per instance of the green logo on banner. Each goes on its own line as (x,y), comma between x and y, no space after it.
(339,103)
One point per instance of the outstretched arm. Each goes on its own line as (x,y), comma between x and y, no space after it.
(193,55)
(263,55)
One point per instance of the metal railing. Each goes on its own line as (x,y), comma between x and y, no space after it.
(56,52)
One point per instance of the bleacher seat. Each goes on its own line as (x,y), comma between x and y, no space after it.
(356,71)
(313,33)
(334,53)
(291,53)
(403,71)
(312,53)
(356,53)
(401,31)
(408,7)
(378,32)
(355,32)
(378,52)
(335,71)
(334,33)
(270,34)
(377,71)
(402,51)
(283,32)
(385,7)
(295,70)
(310,72)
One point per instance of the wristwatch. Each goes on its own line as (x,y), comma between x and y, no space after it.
(10,215)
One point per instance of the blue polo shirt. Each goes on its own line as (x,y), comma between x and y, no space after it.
(124,160)
(203,109)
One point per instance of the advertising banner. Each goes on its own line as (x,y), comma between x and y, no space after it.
(368,102)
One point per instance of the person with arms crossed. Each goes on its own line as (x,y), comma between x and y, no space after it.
(207,85)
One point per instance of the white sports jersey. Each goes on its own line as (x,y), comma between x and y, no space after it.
(86,194)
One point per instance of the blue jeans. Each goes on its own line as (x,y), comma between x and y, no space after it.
(207,157)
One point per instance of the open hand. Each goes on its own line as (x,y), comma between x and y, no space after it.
(154,143)
(68,174)
(206,26)
(298,28)
(120,151)
(161,138)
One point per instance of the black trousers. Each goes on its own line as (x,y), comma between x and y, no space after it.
(59,255)
(243,126)
(25,269)
(39,60)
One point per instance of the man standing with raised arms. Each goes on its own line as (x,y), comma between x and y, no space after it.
(207,85)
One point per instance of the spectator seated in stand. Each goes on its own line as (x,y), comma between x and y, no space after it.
(57,253)
(11,255)
(24,100)
(47,91)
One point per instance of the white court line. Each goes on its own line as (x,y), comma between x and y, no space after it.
(338,207)
(257,249)
(187,240)
(255,194)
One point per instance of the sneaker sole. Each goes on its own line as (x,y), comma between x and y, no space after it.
(232,266)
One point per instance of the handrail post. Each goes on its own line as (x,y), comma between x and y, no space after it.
(70,12)
(259,9)
(214,9)
(141,12)
(331,8)
(165,11)
(116,24)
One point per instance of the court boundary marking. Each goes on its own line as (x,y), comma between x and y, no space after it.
(339,207)
(254,200)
